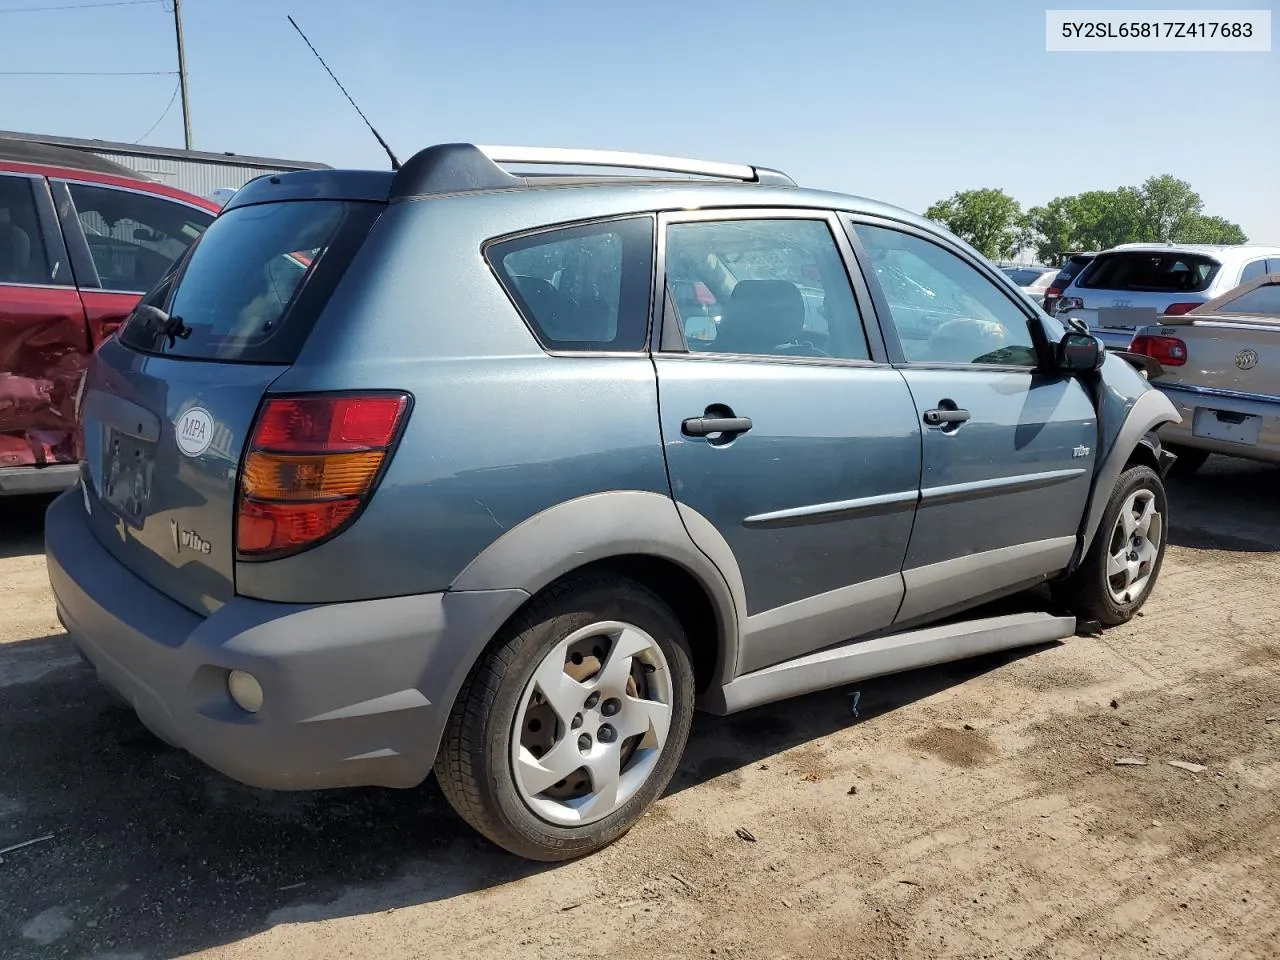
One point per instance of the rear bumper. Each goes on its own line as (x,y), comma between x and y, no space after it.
(355,693)
(22,481)
(1188,401)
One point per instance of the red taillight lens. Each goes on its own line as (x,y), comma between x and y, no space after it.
(1169,351)
(1053,292)
(1178,309)
(310,464)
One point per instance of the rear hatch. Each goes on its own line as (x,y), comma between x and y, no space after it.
(168,404)
(1127,289)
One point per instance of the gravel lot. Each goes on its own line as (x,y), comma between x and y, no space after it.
(974,810)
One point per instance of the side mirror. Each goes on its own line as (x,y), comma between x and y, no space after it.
(1080,352)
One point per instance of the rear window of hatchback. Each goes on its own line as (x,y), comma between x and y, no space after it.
(1149,271)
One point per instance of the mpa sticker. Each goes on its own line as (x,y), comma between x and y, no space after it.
(194,431)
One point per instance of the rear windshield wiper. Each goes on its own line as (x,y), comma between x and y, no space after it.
(160,324)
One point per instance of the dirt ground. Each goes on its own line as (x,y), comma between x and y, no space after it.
(974,810)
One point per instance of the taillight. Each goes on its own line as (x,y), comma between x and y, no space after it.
(1169,351)
(1178,309)
(1053,292)
(310,464)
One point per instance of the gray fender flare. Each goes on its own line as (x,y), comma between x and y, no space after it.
(1148,412)
(597,527)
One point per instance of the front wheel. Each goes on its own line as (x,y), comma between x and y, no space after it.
(573,723)
(1121,567)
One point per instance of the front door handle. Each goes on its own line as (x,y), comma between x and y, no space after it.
(702,426)
(943,417)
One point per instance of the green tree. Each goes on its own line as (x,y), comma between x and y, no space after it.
(989,220)
(1211,230)
(1168,208)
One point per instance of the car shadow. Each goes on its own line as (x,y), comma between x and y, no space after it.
(22,525)
(1228,504)
(153,853)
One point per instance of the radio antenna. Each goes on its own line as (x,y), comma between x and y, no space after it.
(395,164)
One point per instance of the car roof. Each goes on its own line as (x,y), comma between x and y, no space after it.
(84,175)
(463,169)
(1222,252)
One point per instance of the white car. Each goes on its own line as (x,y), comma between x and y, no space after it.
(1136,284)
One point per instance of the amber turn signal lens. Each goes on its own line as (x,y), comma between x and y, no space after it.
(273,476)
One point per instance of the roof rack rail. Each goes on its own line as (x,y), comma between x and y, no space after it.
(455,167)
(571,157)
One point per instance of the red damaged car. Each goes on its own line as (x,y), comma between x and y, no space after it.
(81,240)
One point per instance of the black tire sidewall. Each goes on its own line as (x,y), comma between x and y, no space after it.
(622,601)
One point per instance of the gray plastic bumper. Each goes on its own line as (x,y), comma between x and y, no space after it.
(355,693)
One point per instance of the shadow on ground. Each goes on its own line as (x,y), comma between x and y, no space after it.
(1228,504)
(155,855)
(22,525)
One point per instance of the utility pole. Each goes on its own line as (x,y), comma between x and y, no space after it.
(182,72)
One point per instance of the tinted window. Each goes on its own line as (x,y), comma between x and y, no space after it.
(943,308)
(584,287)
(1263,299)
(134,237)
(1254,270)
(1149,271)
(1024,276)
(1273,266)
(257,280)
(22,253)
(768,287)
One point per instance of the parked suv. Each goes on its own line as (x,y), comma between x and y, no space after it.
(1135,284)
(1071,266)
(419,469)
(81,239)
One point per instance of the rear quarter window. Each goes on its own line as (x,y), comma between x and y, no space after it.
(1149,271)
(584,288)
(256,281)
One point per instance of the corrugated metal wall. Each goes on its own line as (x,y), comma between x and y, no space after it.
(190,175)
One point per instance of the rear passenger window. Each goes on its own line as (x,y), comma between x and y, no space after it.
(22,254)
(582,288)
(762,287)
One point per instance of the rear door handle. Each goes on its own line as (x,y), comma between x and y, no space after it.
(940,418)
(702,426)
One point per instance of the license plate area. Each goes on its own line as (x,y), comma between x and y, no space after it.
(128,464)
(1226,425)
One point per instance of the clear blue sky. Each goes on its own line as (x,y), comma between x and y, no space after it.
(904,101)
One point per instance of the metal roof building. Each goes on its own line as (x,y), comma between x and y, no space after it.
(195,171)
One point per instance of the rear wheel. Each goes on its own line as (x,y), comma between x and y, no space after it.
(1189,460)
(573,723)
(1122,564)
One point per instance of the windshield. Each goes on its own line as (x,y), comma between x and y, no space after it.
(256,281)
(1151,271)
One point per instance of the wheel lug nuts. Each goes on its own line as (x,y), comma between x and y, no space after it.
(606,734)
(576,722)
(611,706)
(592,700)
(584,742)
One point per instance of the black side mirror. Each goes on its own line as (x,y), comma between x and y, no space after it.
(1080,352)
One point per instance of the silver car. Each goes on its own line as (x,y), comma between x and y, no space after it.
(1137,284)
(1221,369)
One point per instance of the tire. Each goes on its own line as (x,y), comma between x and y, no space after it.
(521,688)
(1093,595)
(1190,459)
